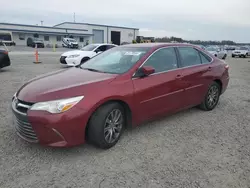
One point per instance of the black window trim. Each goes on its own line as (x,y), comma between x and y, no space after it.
(204,54)
(177,58)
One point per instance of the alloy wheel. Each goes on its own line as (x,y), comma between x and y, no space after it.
(113,126)
(213,96)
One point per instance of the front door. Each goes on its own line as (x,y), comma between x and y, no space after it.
(162,91)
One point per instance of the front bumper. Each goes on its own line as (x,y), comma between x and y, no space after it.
(74,46)
(69,61)
(238,54)
(56,130)
(4,60)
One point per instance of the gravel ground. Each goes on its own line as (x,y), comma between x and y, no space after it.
(190,149)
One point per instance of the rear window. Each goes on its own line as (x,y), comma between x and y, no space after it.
(243,48)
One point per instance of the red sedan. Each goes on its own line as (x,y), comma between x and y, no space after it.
(120,88)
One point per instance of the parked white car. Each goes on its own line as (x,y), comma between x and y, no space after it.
(77,57)
(217,52)
(241,52)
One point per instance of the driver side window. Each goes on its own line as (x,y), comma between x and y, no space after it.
(101,48)
(163,60)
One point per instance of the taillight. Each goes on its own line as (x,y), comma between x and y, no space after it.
(5,52)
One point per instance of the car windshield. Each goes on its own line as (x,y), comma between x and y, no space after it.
(116,61)
(243,48)
(211,49)
(89,47)
(71,40)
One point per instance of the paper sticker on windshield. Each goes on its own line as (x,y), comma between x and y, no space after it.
(132,53)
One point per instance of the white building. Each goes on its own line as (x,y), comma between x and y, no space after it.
(82,32)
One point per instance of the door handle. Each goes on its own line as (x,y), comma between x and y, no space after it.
(178,76)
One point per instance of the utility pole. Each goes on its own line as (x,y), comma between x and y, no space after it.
(74,17)
(41,23)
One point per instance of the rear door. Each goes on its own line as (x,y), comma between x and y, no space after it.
(162,91)
(196,70)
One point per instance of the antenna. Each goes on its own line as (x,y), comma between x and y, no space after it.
(41,23)
(74,17)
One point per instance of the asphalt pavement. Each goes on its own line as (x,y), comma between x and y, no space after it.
(190,149)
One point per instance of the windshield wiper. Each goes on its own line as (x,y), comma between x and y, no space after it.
(90,69)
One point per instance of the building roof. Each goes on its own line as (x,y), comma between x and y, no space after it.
(22,28)
(82,23)
(45,32)
(38,26)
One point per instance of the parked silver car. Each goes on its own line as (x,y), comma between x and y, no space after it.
(217,52)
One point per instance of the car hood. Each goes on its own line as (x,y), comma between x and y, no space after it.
(240,51)
(212,52)
(73,52)
(62,84)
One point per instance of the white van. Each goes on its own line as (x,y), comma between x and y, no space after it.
(69,43)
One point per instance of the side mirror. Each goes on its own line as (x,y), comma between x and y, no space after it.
(145,71)
(97,51)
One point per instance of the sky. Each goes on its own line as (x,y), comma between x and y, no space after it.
(189,19)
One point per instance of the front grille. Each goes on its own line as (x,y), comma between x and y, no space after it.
(22,125)
(62,59)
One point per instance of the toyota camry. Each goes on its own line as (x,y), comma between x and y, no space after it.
(122,87)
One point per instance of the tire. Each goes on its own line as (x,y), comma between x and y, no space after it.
(83,60)
(233,56)
(207,104)
(225,56)
(96,133)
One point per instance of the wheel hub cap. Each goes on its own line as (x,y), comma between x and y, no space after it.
(113,126)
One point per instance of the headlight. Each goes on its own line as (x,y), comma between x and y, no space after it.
(73,56)
(57,106)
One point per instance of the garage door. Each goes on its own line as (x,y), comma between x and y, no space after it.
(98,36)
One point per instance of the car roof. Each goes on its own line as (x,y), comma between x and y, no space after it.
(156,45)
(99,44)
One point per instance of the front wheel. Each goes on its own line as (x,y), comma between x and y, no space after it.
(212,97)
(106,125)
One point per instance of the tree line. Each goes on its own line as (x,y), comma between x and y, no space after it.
(198,42)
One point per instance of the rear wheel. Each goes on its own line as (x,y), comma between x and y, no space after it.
(233,56)
(106,125)
(225,56)
(212,97)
